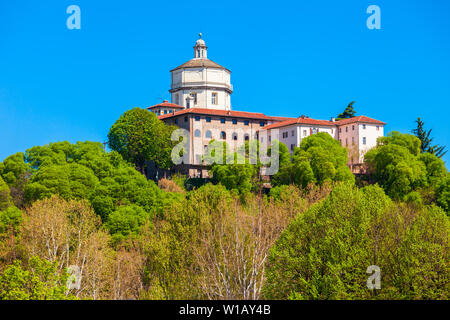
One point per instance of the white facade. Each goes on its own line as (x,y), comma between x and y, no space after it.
(201,83)
(356,135)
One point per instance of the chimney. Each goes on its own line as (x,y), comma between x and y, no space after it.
(333,119)
(302,116)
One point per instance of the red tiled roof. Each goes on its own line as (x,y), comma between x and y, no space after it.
(359,119)
(166,104)
(299,120)
(224,113)
(200,63)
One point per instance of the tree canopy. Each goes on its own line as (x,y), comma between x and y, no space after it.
(139,136)
(319,159)
(349,112)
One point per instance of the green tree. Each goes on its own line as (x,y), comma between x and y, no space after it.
(324,253)
(349,112)
(126,221)
(5,197)
(319,159)
(399,167)
(425,139)
(139,136)
(40,281)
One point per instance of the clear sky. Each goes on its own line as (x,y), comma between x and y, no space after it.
(287,58)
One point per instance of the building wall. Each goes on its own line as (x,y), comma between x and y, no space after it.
(194,80)
(371,132)
(297,132)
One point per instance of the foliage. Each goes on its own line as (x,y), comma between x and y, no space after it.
(40,281)
(425,139)
(10,218)
(399,167)
(325,252)
(126,221)
(349,112)
(139,136)
(5,197)
(319,159)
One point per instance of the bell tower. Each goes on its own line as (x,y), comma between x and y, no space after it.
(200,49)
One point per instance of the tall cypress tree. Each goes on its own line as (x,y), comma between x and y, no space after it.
(349,112)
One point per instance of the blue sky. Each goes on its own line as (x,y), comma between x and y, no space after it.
(287,58)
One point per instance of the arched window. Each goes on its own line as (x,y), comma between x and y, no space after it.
(246,137)
(223,135)
(235,136)
(197,133)
(208,134)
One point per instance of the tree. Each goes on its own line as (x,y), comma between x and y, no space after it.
(349,112)
(5,197)
(425,139)
(399,167)
(126,221)
(396,169)
(42,281)
(319,159)
(324,253)
(139,136)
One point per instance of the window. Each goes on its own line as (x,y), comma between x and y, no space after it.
(208,134)
(214,98)
(314,130)
(270,138)
(208,119)
(222,120)
(340,130)
(292,147)
(284,134)
(176,121)
(234,121)
(223,135)
(292,133)
(364,126)
(188,103)
(353,127)
(197,118)
(332,130)
(346,129)
(194,97)
(185,119)
(197,133)
(305,133)
(246,123)
(165,111)
(246,137)
(364,140)
(261,123)
(378,128)
(235,136)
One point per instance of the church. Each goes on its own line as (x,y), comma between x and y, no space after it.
(201,103)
